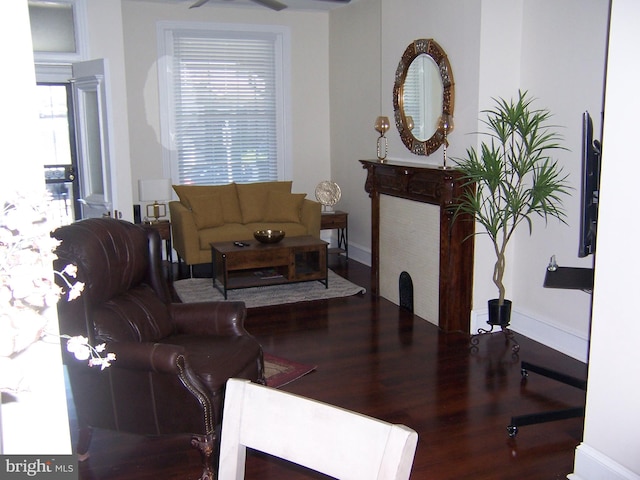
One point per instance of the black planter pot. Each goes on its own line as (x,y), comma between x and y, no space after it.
(499,314)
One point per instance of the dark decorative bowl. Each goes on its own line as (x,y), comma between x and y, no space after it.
(268,236)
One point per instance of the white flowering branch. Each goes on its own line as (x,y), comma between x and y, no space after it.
(75,289)
(27,287)
(83,350)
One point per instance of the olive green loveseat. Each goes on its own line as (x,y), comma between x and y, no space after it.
(232,212)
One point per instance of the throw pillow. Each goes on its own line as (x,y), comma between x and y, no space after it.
(253,198)
(228,198)
(284,207)
(207,210)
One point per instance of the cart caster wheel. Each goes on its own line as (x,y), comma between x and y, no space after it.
(512,430)
(524,373)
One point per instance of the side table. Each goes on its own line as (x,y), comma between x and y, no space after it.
(337,220)
(163,227)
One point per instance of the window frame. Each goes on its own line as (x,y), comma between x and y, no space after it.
(54,59)
(165,30)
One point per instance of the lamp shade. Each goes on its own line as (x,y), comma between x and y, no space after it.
(154,189)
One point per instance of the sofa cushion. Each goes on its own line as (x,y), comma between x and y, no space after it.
(207,210)
(227,193)
(284,207)
(229,232)
(253,198)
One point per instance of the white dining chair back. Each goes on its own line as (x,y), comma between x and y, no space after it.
(331,440)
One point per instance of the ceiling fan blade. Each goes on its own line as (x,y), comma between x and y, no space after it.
(199,3)
(272,4)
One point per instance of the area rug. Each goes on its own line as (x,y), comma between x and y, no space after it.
(192,290)
(280,371)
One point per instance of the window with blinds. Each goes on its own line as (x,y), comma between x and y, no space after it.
(224,110)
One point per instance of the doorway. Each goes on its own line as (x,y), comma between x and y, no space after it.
(56,135)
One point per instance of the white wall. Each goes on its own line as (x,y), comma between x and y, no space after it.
(456,28)
(309,83)
(40,411)
(612,424)
(105,36)
(18,100)
(355,37)
(367,40)
(575,59)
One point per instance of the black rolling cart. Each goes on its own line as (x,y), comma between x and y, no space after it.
(556,277)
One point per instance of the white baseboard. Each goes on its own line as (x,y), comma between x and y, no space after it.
(360,254)
(591,464)
(567,342)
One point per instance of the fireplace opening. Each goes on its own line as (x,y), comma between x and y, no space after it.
(405,285)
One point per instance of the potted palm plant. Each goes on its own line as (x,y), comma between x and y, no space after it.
(510,178)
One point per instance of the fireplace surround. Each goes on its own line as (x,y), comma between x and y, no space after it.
(440,187)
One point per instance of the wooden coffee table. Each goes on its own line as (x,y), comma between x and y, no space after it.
(293,259)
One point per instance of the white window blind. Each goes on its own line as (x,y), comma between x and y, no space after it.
(224,113)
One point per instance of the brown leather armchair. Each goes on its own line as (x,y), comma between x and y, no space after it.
(172,359)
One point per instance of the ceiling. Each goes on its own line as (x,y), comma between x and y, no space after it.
(315,5)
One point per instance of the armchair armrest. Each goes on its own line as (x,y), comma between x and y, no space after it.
(161,358)
(154,357)
(310,217)
(185,233)
(209,318)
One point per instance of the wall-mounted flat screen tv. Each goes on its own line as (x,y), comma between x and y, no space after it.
(590,188)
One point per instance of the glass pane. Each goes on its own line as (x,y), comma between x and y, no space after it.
(53,135)
(53,125)
(61,210)
(52,27)
(94,150)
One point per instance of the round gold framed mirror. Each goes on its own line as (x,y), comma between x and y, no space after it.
(423,93)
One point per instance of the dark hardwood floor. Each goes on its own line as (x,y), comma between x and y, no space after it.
(377,359)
